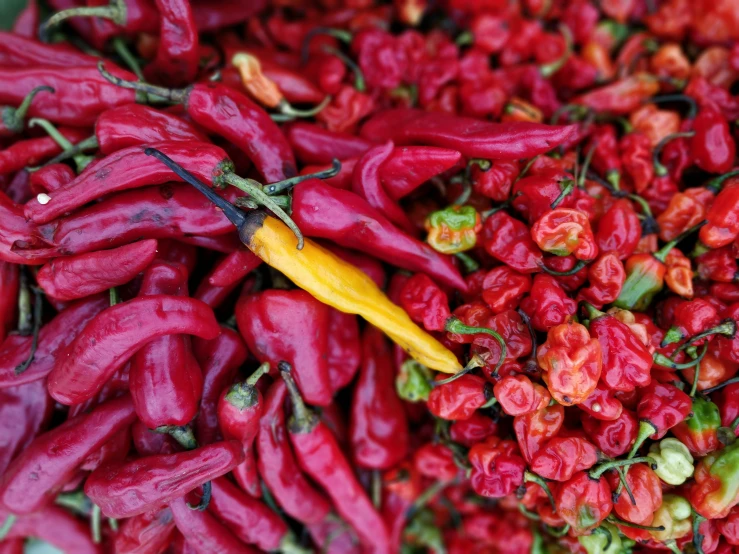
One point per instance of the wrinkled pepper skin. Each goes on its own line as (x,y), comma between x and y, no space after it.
(50,461)
(378,430)
(583,502)
(111,338)
(292,326)
(497,468)
(87,274)
(125,489)
(699,431)
(147,533)
(716,487)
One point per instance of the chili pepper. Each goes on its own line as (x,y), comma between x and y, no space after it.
(562,457)
(495,182)
(685,210)
(718,265)
(678,273)
(497,468)
(25,410)
(473,138)
(379,429)
(727,346)
(46,465)
(425,302)
(619,230)
(315,145)
(699,431)
(273,324)
(9,288)
(127,169)
(728,528)
(110,485)
(459,399)
(517,395)
(278,466)
(723,223)
(509,241)
(53,338)
(626,361)
(473,430)
(25,25)
(613,438)
(204,532)
(23,51)
(637,160)
(344,349)
(313,200)
(583,502)
(250,520)
(714,491)
(674,515)
(563,231)
(602,404)
(606,276)
(534,429)
(12,120)
(661,407)
(233,268)
(177,56)
(409,167)
(571,361)
(712,145)
(503,288)
(321,458)
(55,526)
(150,532)
(34,151)
(621,97)
(51,177)
(547,304)
(644,485)
(453,229)
(110,340)
(87,274)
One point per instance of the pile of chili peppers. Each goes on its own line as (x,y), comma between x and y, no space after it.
(350,276)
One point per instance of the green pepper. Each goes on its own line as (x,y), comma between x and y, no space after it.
(716,488)
(673,459)
(453,229)
(604,540)
(413,382)
(699,432)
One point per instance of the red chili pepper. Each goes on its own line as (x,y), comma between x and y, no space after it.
(534,196)
(126,169)
(110,485)
(661,407)
(22,51)
(177,57)
(562,457)
(51,177)
(613,438)
(583,502)
(97,353)
(495,182)
(48,463)
(517,395)
(565,231)
(27,24)
(24,412)
(273,324)
(279,468)
(621,97)
(685,210)
(509,240)
(473,430)
(204,532)
(425,302)
(34,151)
(224,13)
(602,404)
(233,268)
(473,138)
(534,429)
(712,145)
(645,495)
(459,399)
(497,467)
(87,274)
(55,526)
(315,145)
(503,288)
(547,304)
(379,429)
(324,212)
(637,159)
(321,457)
(9,287)
(409,167)
(146,533)
(723,218)
(619,230)
(53,338)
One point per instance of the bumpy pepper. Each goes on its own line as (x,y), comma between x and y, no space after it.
(583,502)
(626,361)
(564,231)
(699,431)
(662,406)
(646,491)
(517,395)
(497,468)
(460,398)
(571,361)
(453,229)
(716,487)
(534,429)
(425,302)
(673,459)
(509,240)
(547,304)
(606,277)
(723,218)
(562,457)
(675,515)
(607,541)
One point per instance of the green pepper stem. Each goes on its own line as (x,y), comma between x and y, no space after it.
(281,187)
(13,118)
(715,184)
(469,264)
(617,521)
(127,56)
(115,12)
(52,131)
(289,110)
(585,166)
(303,420)
(113,296)
(623,484)
(577,110)
(646,429)
(76,501)
(204,500)
(549,69)
(592,311)
(662,253)
(96,522)
(173,95)
(609,537)
(261,371)
(529,477)
(726,327)
(25,313)
(663,360)
(659,169)
(646,210)
(602,468)
(339,34)
(90,143)
(37,314)
(290,545)
(454,325)
(424,498)
(7,525)
(359,82)
(567,187)
(182,434)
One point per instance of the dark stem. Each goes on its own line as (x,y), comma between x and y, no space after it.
(659,169)
(359,82)
(280,187)
(204,500)
(340,34)
(303,420)
(692,106)
(37,314)
(174,95)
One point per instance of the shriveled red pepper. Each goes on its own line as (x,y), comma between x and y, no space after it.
(87,274)
(723,218)
(409,167)
(564,231)
(472,137)
(425,302)
(534,429)
(621,97)
(547,304)
(51,177)
(22,51)
(613,438)
(562,457)
(55,526)
(273,324)
(517,395)
(509,241)
(661,407)
(459,399)
(583,502)
(379,428)
(48,463)
(497,467)
(503,288)
(572,363)
(320,456)
(177,57)
(97,353)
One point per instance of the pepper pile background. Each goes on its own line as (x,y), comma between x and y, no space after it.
(533,206)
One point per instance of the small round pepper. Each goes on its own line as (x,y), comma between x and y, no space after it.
(453,229)
(673,459)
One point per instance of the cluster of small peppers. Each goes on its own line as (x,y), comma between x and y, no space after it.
(482,295)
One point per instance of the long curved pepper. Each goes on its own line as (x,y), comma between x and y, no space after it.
(326,277)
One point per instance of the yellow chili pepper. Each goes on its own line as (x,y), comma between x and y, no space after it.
(341,285)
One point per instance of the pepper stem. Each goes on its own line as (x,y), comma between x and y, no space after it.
(623,484)
(547,70)
(617,521)
(25,315)
(289,110)
(7,525)
(80,161)
(592,311)
(577,267)
(662,253)
(726,328)
(127,56)
(339,34)
(257,194)
(663,360)
(116,12)
(659,169)
(614,464)
(113,296)
(424,498)
(359,82)
(474,362)
(731,381)
(283,186)
(204,500)
(585,166)
(260,372)
(37,314)
(609,537)
(715,184)
(96,522)
(13,118)
(173,95)
(182,434)
(469,264)
(645,430)
(567,187)
(529,477)
(698,537)
(303,420)
(454,325)
(692,106)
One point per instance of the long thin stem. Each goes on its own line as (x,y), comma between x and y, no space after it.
(37,314)
(281,187)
